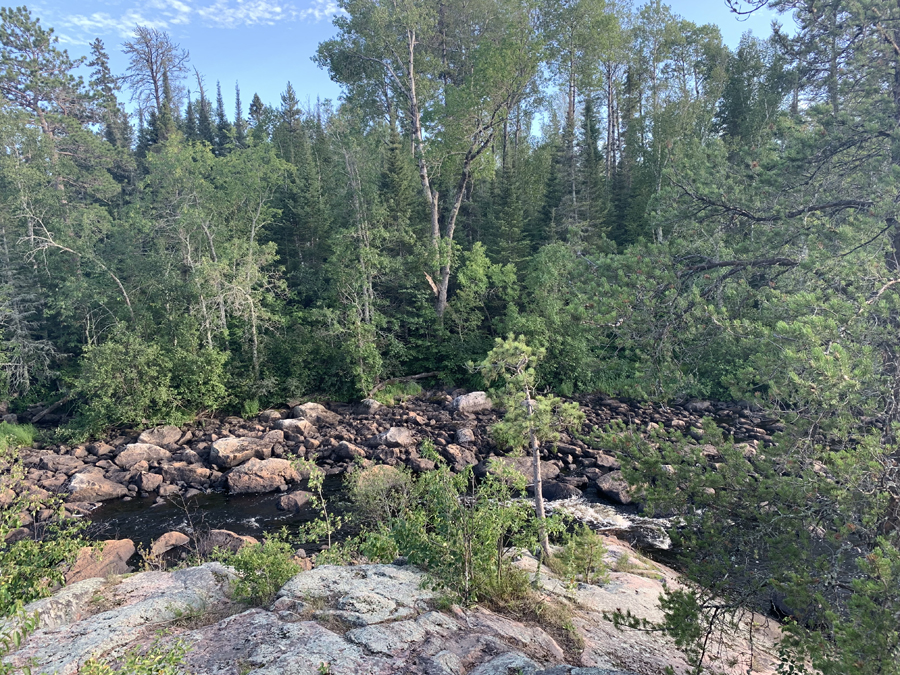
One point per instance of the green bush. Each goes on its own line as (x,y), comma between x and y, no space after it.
(459,532)
(397,393)
(262,569)
(128,380)
(581,558)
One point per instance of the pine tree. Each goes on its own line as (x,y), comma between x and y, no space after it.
(189,127)
(257,122)
(240,124)
(116,129)
(224,130)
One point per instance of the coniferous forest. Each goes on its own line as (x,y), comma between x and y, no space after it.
(667,218)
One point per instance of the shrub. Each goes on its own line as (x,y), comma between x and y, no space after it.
(158,660)
(380,494)
(262,569)
(581,558)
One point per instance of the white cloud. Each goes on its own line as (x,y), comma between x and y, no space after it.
(166,14)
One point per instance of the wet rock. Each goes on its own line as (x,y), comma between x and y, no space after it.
(108,557)
(477,401)
(141,452)
(231,451)
(613,486)
(167,542)
(554,491)
(164,435)
(316,414)
(294,501)
(91,487)
(394,437)
(258,476)
(368,406)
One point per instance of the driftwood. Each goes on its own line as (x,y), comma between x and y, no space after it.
(50,409)
(397,380)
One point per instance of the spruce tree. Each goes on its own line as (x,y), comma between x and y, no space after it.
(240,124)
(224,130)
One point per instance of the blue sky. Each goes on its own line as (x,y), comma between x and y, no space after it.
(262,44)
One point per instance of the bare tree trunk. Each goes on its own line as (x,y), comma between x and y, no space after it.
(538,483)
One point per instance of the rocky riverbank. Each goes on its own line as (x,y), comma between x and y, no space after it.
(378,620)
(252,456)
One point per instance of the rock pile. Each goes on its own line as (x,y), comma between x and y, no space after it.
(249,456)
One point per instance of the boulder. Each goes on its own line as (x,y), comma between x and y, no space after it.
(7,497)
(101,449)
(294,501)
(167,542)
(189,474)
(458,457)
(225,540)
(148,482)
(520,464)
(477,401)
(296,426)
(420,464)
(160,435)
(465,436)
(61,464)
(110,557)
(395,437)
(348,451)
(316,414)
(258,476)
(231,451)
(93,487)
(614,487)
(141,452)
(269,416)
(554,491)
(368,406)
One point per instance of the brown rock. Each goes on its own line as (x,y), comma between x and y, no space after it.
(458,457)
(522,465)
(92,487)
(189,474)
(110,557)
(148,482)
(394,437)
(141,452)
(316,414)
(168,490)
(167,542)
(420,464)
(258,476)
(232,451)
(160,435)
(348,451)
(61,463)
(297,426)
(294,501)
(225,540)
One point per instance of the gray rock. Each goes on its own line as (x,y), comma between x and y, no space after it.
(365,594)
(613,486)
(465,436)
(368,406)
(458,457)
(164,435)
(258,476)
(231,451)
(554,491)
(297,426)
(141,452)
(392,638)
(477,401)
(189,474)
(394,437)
(294,502)
(61,463)
(225,540)
(315,413)
(269,416)
(91,487)
(511,663)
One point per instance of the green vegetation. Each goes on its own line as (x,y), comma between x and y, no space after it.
(262,568)
(160,659)
(691,221)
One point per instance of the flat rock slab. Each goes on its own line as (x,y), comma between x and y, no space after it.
(232,451)
(164,435)
(141,603)
(93,487)
(363,594)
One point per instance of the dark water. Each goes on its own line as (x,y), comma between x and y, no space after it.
(142,522)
